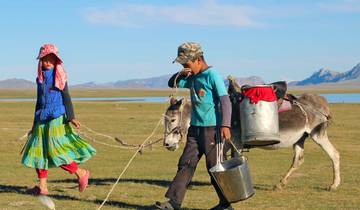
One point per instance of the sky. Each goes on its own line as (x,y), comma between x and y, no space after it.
(107,41)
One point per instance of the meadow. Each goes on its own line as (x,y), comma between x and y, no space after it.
(151,172)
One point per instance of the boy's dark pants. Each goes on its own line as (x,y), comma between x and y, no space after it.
(200,140)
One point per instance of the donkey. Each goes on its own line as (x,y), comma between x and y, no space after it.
(308,117)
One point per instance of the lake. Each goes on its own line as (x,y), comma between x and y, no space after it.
(332,98)
(342,97)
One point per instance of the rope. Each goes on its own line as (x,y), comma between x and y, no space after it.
(23,136)
(102,143)
(128,164)
(311,109)
(123,144)
(18,129)
(175,87)
(97,133)
(175,84)
(304,112)
(136,146)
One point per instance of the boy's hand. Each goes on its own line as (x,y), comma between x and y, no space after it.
(75,123)
(186,72)
(225,133)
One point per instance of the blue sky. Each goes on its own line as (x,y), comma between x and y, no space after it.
(106,41)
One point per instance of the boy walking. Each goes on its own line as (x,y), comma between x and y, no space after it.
(211,110)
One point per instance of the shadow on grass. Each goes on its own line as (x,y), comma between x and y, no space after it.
(162,183)
(108,181)
(264,187)
(13,189)
(22,190)
(323,189)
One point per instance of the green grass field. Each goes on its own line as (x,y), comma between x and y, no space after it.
(88,93)
(150,174)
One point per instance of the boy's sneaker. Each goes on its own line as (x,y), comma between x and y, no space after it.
(219,207)
(167,205)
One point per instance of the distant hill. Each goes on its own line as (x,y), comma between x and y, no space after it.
(157,82)
(16,83)
(322,77)
(327,76)
(153,82)
(93,85)
(252,80)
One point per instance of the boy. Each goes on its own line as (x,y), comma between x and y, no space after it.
(211,110)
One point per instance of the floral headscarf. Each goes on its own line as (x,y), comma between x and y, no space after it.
(60,74)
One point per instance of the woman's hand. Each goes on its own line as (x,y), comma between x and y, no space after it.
(75,123)
(225,133)
(29,133)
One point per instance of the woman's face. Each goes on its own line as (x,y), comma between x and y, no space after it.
(49,61)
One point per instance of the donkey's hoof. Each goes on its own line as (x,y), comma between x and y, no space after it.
(278,187)
(332,188)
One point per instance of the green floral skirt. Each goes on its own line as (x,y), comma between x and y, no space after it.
(55,143)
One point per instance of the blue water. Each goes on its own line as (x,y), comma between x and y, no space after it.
(332,98)
(342,97)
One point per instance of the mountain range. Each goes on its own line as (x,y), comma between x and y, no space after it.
(157,82)
(321,77)
(328,76)
(16,83)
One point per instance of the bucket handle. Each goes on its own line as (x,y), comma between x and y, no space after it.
(219,147)
(233,145)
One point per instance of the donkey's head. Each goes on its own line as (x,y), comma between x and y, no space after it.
(173,124)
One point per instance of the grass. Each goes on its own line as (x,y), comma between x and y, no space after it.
(88,93)
(150,174)
(123,92)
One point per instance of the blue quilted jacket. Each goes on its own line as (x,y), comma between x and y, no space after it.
(50,104)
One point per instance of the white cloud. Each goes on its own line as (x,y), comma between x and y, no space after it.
(204,13)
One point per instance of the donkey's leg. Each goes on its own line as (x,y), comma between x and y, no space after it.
(298,160)
(321,138)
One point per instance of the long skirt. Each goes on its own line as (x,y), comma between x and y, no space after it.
(55,143)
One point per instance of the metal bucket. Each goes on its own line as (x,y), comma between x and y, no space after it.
(233,178)
(259,123)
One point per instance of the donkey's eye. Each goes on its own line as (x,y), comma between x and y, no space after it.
(173,120)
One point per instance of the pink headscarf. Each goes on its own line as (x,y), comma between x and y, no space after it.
(60,74)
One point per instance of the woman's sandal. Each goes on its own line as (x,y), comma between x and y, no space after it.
(83,181)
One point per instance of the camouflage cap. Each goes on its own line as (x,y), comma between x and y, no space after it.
(188,51)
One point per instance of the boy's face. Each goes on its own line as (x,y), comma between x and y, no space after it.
(195,66)
(49,61)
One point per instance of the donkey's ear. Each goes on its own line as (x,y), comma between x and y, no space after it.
(173,101)
(175,104)
(179,102)
(233,85)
